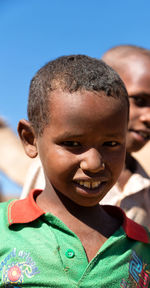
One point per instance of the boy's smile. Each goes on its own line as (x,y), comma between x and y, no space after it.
(82,149)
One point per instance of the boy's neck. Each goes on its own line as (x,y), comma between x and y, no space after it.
(92,225)
(71,213)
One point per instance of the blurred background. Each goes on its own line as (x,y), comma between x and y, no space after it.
(32,32)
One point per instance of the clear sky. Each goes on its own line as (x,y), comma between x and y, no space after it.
(32,32)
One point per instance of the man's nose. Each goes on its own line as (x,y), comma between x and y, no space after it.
(145,116)
(92,161)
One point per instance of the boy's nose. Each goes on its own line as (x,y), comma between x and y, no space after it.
(92,161)
(145,117)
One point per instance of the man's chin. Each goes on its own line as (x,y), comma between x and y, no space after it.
(134,146)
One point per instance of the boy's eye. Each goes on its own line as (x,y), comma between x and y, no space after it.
(112,143)
(71,143)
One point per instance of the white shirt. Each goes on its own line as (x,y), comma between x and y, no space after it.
(135,197)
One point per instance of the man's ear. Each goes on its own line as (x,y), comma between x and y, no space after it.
(28,138)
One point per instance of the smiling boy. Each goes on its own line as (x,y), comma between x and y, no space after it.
(62,236)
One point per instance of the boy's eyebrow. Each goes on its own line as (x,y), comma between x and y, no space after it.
(70,135)
(115,135)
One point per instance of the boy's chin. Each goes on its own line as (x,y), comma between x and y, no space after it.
(79,201)
(86,203)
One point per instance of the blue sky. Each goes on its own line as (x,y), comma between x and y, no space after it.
(32,32)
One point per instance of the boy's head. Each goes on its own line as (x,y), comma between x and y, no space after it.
(133,65)
(78,112)
(71,74)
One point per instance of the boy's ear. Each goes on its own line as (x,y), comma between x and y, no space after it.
(28,138)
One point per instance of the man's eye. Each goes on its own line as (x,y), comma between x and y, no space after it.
(139,101)
(71,143)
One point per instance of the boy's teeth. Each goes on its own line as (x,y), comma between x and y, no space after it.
(95,184)
(87,184)
(90,185)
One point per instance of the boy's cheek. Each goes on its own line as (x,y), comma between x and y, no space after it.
(117,157)
(116,162)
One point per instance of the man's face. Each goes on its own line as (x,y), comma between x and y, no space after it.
(83,147)
(137,80)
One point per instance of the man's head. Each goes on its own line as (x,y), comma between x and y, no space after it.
(78,112)
(133,65)
(69,73)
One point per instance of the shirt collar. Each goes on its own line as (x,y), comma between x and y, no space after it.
(26,210)
(132,229)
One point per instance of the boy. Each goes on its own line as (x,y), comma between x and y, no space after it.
(132,191)
(61,236)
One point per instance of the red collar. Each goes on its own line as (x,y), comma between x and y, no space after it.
(26,210)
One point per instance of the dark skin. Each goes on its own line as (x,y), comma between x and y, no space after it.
(85,222)
(84,132)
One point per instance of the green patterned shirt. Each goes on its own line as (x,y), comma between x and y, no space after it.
(38,250)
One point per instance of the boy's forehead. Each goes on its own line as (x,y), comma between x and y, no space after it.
(65,99)
(86,114)
(83,104)
(75,99)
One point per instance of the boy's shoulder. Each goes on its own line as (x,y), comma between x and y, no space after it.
(4,212)
(20,211)
(131,229)
(26,210)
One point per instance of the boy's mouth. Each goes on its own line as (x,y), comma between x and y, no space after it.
(88,184)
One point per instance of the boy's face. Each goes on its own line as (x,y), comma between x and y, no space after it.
(137,81)
(83,148)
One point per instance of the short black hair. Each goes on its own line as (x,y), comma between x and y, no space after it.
(70,73)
